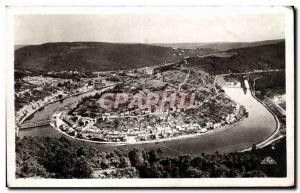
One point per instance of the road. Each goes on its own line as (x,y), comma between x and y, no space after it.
(184,81)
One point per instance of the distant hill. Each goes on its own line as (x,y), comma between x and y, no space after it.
(96,56)
(264,57)
(222,46)
(19,46)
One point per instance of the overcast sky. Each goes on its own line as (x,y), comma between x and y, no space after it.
(39,29)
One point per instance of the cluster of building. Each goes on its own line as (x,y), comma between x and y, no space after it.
(146,70)
(33,106)
(43,80)
(30,100)
(130,125)
(134,127)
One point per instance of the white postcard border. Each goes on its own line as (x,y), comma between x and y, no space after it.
(182,182)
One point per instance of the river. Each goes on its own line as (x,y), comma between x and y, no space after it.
(258,126)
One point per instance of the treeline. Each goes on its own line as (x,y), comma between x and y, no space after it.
(264,57)
(61,158)
(271,80)
(75,76)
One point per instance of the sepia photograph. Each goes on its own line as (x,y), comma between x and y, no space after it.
(150,97)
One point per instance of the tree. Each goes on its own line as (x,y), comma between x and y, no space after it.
(105,163)
(62,163)
(129,172)
(218,170)
(254,173)
(136,157)
(233,172)
(31,168)
(115,161)
(151,171)
(195,173)
(153,157)
(82,168)
(184,161)
(81,151)
(253,148)
(156,171)
(124,162)
(62,158)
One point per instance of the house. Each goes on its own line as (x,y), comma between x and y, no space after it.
(203,130)
(217,125)
(146,70)
(149,70)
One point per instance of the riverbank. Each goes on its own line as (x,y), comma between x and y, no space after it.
(144,142)
(43,106)
(66,97)
(266,141)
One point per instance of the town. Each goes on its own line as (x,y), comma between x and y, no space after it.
(35,92)
(85,119)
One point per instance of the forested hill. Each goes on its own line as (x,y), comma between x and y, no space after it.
(222,46)
(96,56)
(263,57)
(62,158)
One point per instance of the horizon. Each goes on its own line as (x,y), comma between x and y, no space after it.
(283,39)
(147,29)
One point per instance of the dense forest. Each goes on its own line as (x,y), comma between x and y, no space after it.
(96,56)
(60,158)
(265,57)
(271,80)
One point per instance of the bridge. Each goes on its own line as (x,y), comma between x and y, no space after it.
(35,124)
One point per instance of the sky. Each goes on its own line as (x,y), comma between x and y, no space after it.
(38,29)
